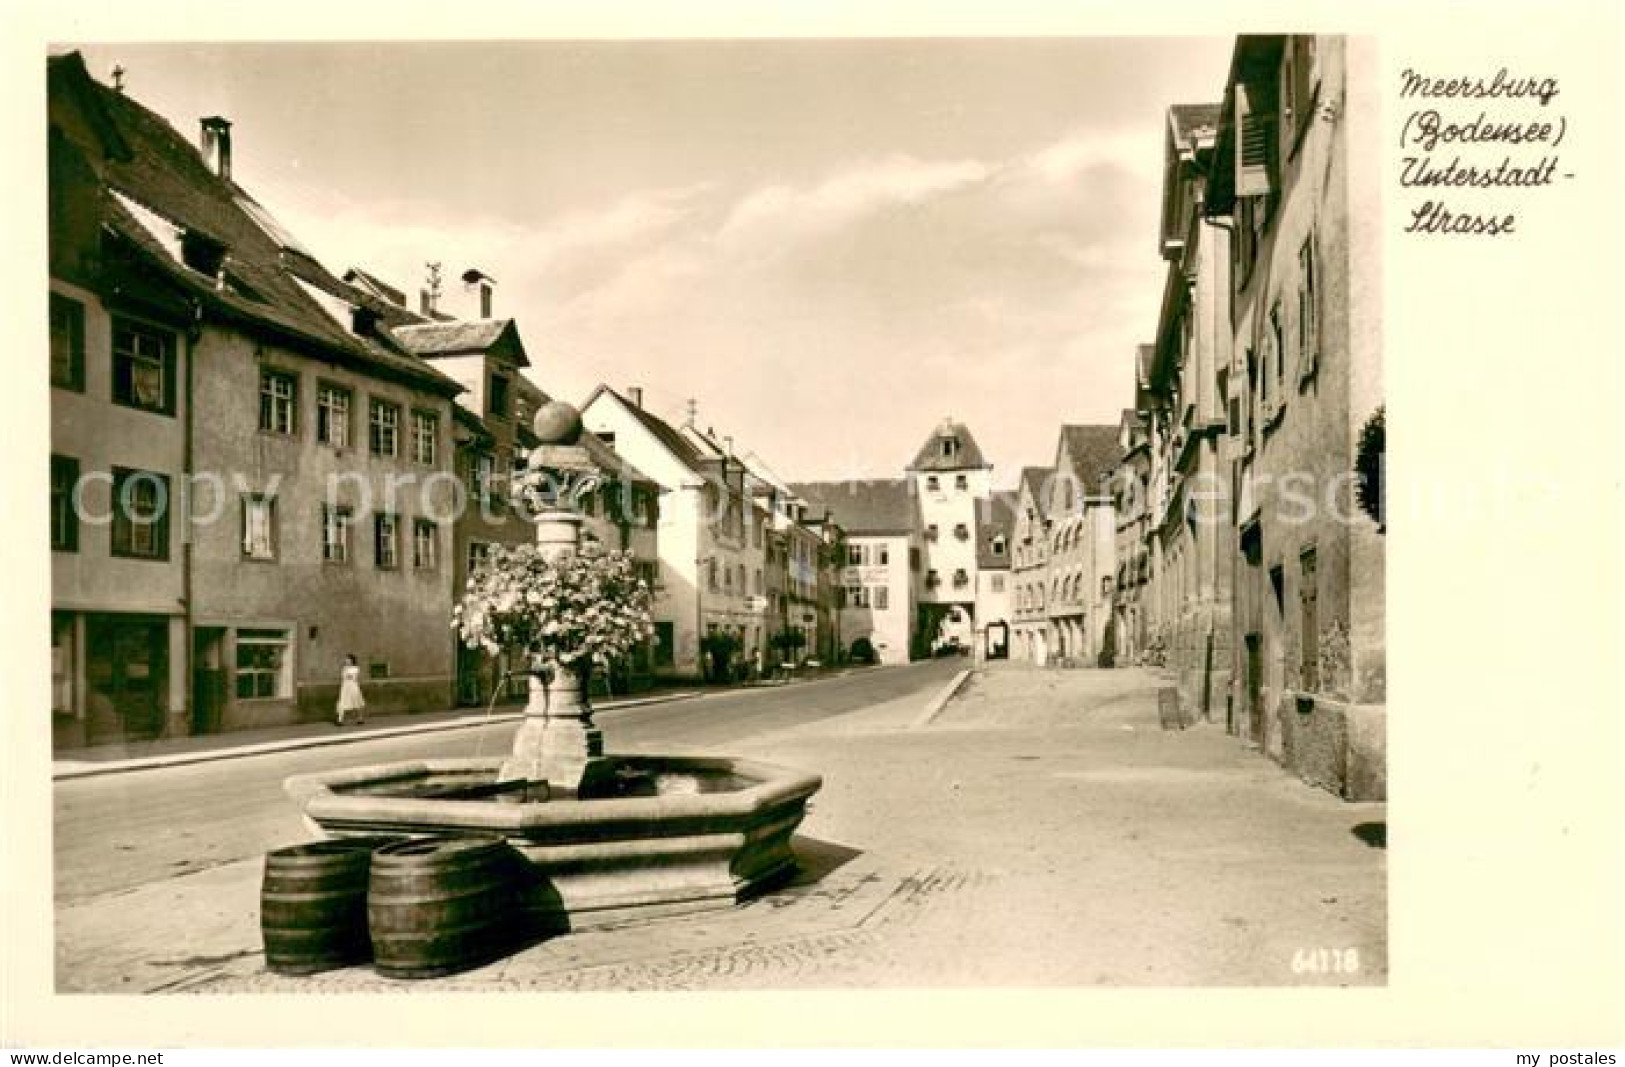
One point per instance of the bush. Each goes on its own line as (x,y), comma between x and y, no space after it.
(1370,467)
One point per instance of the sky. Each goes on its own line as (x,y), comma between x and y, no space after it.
(829,245)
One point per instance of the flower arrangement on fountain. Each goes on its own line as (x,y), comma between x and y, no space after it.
(571,610)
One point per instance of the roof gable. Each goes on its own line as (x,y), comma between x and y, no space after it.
(658,428)
(158,194)
(864,506)
(1089,453)
(951,447)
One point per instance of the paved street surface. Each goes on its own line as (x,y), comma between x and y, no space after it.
(1041,831)
(120,831)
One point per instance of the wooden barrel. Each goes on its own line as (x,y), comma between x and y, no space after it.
(313,905)
(437,906)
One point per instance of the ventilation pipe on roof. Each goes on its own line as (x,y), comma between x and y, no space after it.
(484,284)
(215,143)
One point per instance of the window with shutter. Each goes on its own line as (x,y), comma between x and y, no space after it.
(1253,129)
(1308,311)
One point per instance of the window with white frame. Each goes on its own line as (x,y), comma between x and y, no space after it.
(881,598)
(264,666)
(259,527)
(140,514)
(333,415)
(143,367)
(385,541)
(279,399)
(961,482)
(932,484)
(478,553)
(384,424)
(425,437)
(336,523)
(425,544)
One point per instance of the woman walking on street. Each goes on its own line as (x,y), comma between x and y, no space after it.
(350,698)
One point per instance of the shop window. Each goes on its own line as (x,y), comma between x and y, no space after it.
(263,665)
(64,664)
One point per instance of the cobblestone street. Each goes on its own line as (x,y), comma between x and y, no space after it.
(1042,831)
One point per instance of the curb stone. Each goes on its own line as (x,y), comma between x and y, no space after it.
(940,701)
(181,759)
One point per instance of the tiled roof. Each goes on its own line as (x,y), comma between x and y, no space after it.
(431,339)
(153,180)
(1190,123)
(995,517)
(1094,451)
(967,456)
(375,285)
(1032,481)
(864,506)
(663,431)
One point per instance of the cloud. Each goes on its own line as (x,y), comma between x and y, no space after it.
(786,213)
(1137,152)
(806,315)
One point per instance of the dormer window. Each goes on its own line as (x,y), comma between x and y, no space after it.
(950,447)
(363,321)
(998,546)
(203,253)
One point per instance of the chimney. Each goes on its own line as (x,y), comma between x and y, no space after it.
(635,394)
(728,444)
(215,143)
(474,278)
(425,303)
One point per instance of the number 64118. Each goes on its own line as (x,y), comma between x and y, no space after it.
(1326,961)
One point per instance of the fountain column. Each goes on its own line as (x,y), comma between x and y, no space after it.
(557,739)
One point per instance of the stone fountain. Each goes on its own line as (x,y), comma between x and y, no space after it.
(606,837)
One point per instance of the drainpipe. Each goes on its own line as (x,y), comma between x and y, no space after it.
(188,458)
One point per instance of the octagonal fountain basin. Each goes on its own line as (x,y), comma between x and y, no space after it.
(646,836)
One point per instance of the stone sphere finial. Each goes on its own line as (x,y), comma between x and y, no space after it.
(557,423)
